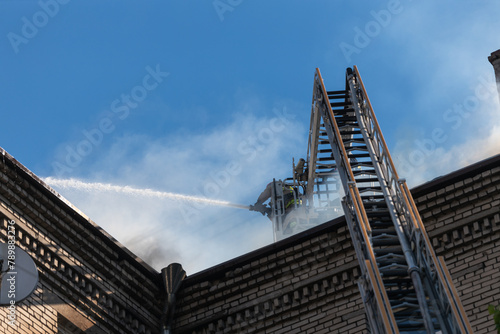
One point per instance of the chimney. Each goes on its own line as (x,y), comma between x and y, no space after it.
(494,59)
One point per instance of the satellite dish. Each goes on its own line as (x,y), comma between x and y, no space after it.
(19,275)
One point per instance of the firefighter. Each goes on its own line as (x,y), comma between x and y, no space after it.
(288,198)
(263,197)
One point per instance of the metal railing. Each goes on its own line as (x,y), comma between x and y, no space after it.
(438,279)
(374,286)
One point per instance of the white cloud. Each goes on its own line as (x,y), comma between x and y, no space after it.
(455,110)
(471,137)
(235,161)
(232,162)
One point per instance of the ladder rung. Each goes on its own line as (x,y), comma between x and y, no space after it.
(361,172)
(359,155)
(355,143)
(379,213)
(346,132)
(336,92)
(341,123)
(398,261)
(325,167)
(340,104)
(324,174)
(403,292)
(394,272)
(376,232)
(342,118)
(398,282)
(385,242)
(344,111)
(371,197)
(363,190)
(361,164)
(388,250)
(364,180)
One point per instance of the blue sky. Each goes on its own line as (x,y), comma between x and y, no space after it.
(212,98)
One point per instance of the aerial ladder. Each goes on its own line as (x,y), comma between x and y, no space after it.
(405,287)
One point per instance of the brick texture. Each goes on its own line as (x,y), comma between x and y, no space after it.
(465,229)
(299,285)
(85,277)
(304,284)
(307,283)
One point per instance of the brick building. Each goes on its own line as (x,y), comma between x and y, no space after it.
(90,283)
(306,283)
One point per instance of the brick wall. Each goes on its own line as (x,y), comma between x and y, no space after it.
(462,216)
(86,278)
(299,285)
(303,284)
(306,283)
(31,316)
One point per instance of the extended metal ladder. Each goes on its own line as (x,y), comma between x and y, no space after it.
(405,287)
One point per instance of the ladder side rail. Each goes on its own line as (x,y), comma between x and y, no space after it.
(408,222)
(274,216)
(371,272)
(358,97)
(379,294)
(312,124)
(372,140)
(371,297)
(388,170)
(415,229)
(449,300)
(321,104)
(376,126)
(386,160)
(439,283)
(366,287)
(354,199)
(278,208)
(313,149)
